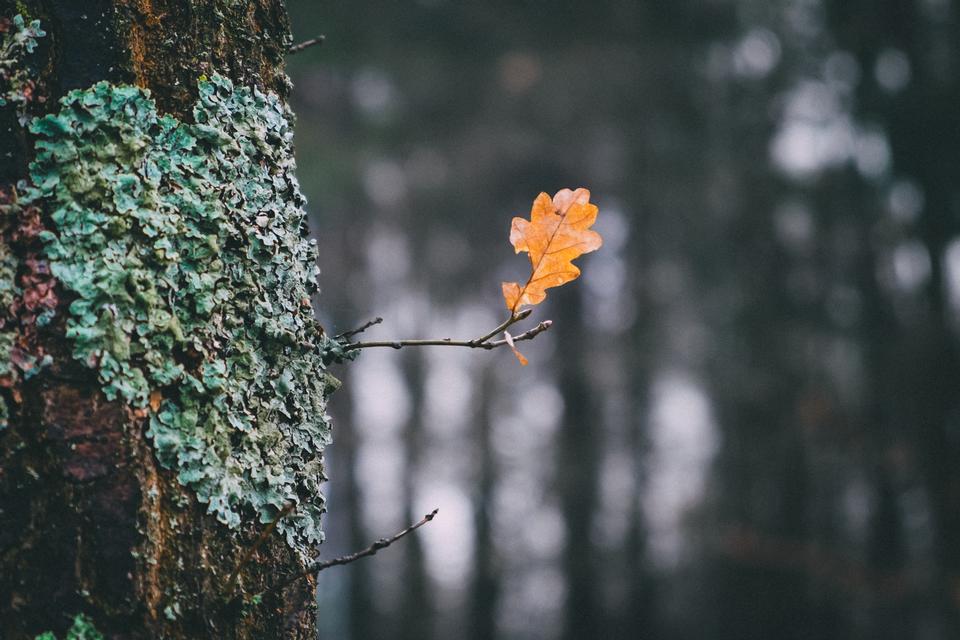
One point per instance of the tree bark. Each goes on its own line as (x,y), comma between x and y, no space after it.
(90,522)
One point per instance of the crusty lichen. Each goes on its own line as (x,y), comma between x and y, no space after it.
(186,247)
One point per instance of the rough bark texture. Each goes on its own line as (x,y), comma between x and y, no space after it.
(89,521)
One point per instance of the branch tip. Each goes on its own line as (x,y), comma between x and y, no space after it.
(382,543)
(306,44)
(366,325)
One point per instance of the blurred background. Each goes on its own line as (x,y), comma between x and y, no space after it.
(745,422)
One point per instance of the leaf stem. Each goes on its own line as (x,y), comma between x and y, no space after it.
(481,342)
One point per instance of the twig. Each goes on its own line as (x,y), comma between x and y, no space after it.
(360,329)
(513,319)
(306,44)
(382,543)
(232,580)
(482,342)
(526,335)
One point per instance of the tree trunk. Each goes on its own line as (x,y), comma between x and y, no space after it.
(125,493)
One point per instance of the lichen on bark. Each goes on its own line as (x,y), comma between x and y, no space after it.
(18,40)
(185,246)
(81,629)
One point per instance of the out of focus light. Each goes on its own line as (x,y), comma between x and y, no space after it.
(911,264)
(804,17)
(379,393)
(872,153)
(385,183)
(818,133)
(683,440)
(373,93)
(951,264)
(448,542)
(841,69)
(449,392)
(388,256)
(757,54)
(531,604)
(618,489)
(815,134)
(794,226)
(380,469)
(905,201)
(892,70)
(531,423)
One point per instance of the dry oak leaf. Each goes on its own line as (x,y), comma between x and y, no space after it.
(558,232)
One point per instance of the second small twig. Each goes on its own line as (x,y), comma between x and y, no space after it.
(306,44)
(382,543)
(360,329)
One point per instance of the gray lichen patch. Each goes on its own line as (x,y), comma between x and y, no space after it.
(186,248)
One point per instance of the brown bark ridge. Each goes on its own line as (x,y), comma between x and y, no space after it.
(89,521)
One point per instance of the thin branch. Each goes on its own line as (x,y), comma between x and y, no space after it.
(232,580)
(382,543)
(306,44)
(481,342)
(360,329)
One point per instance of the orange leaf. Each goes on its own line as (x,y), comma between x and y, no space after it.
(557,233)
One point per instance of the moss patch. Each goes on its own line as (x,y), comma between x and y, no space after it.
(185,245)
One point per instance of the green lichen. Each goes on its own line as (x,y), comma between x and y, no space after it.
(19,39)
(82,629)
(186,248)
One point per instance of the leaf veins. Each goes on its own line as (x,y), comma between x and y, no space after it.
(557,233)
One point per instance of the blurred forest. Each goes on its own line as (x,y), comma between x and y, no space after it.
(745,422)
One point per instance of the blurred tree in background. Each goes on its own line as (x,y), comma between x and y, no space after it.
(745,422)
